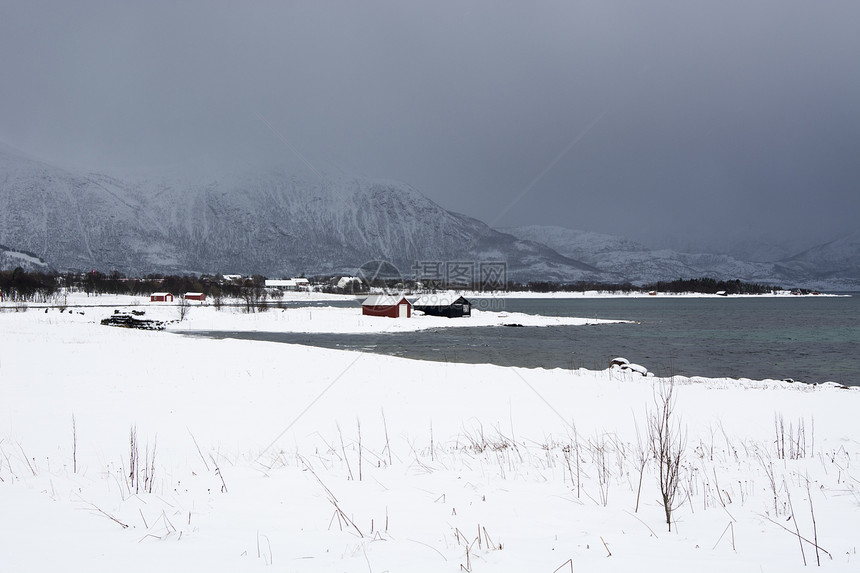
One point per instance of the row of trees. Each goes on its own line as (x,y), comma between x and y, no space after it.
(711,286)
(579,286)
(701,285)
(19,285)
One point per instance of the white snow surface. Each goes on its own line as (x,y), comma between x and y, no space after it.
(263,456)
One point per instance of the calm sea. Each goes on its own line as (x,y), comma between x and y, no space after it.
(810,339)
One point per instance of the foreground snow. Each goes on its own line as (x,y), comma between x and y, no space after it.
(309,459)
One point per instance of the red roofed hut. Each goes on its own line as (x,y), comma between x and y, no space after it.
(385,305)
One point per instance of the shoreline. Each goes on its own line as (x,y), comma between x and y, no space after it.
(328,321)
(82,300)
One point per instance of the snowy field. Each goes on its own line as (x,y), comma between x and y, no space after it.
(128,450)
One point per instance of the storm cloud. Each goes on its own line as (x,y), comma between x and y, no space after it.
(697,124)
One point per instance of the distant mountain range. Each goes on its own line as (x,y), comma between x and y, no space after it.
(831,266)
(278,224)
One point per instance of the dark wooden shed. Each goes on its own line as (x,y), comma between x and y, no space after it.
(447,305)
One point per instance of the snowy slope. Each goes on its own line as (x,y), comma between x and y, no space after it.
(11,259)
(71,220)
(635,261)
(838,259)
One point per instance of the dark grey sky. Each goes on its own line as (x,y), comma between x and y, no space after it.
(704,121)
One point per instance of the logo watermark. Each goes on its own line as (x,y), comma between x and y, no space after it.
(486,280)
(480,276)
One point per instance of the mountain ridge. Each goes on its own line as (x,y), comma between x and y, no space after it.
(278,224)
(271,223)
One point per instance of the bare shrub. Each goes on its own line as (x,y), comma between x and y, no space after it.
(184,306)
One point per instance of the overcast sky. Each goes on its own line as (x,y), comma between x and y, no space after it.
(704,121)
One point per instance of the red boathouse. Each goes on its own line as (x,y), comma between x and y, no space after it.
(384,305)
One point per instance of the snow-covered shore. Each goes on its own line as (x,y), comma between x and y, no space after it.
(309,459)
(309,319)
(350,320)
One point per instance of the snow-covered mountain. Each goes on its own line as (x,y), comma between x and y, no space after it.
(272,224)
(279,224)
(834,266)
(836,261)
(635,261)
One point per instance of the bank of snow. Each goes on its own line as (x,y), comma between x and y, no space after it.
(305,459)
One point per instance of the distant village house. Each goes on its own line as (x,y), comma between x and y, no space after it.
(343,282)
(161,297)
(289,284)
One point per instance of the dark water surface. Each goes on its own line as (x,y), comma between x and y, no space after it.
(811,339)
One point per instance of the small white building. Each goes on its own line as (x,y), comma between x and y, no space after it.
(346,280)
(289,284)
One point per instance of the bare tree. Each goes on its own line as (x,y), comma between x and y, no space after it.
(184,307)
(217,297)
(667,446)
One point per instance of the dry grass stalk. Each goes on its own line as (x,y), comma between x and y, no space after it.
(74,446)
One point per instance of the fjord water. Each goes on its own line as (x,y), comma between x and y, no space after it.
(809,339)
